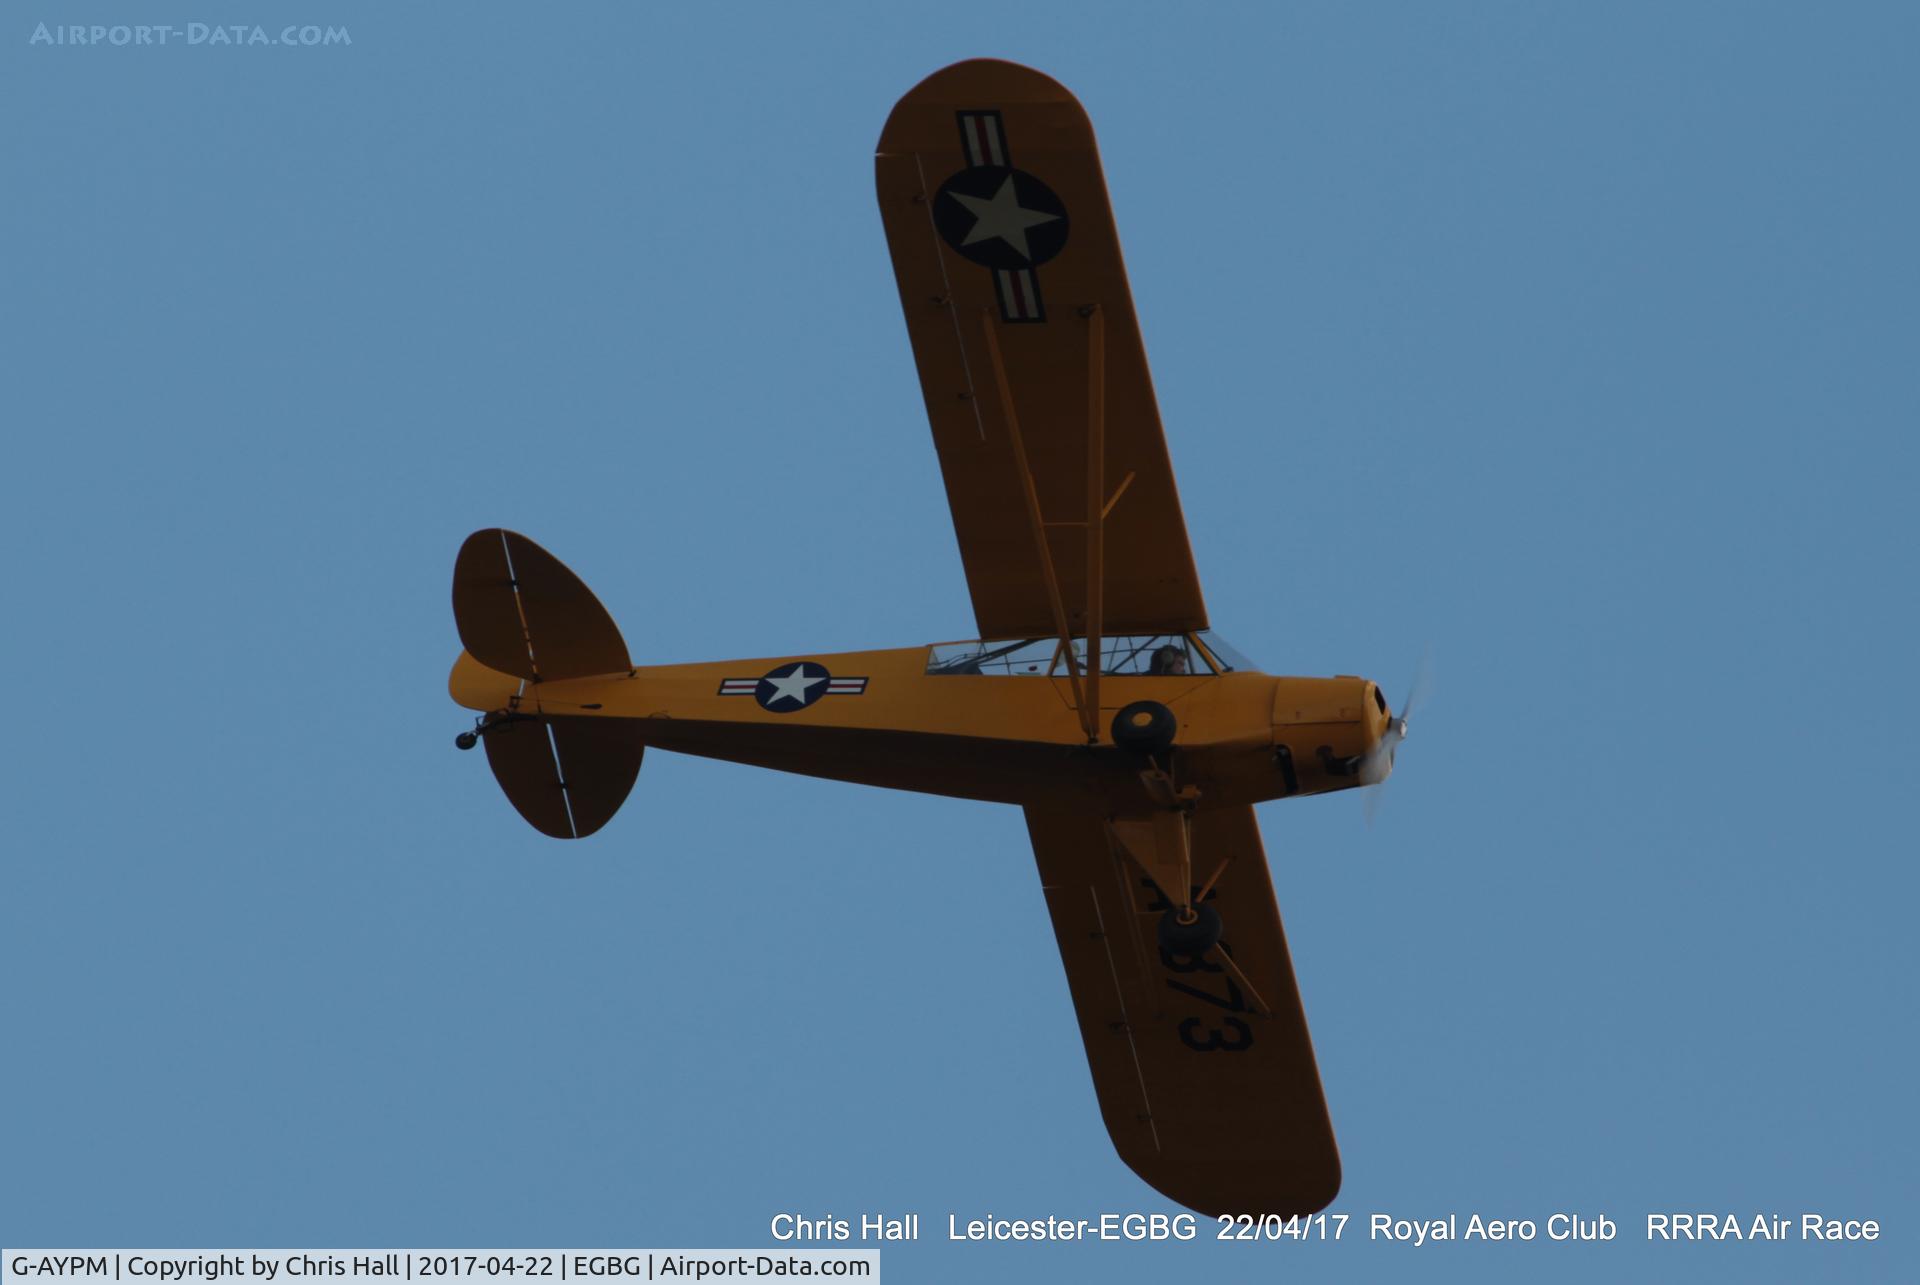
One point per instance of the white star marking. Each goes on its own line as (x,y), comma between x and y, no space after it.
(1002,217)
(794,686)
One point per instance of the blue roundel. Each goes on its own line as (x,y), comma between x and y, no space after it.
(792,687)
(1000,217)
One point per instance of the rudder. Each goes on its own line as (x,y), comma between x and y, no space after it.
(525,618)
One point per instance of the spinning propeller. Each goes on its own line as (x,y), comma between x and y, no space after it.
(1377,766)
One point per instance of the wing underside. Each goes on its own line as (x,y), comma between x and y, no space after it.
(1207,1083)
(1004,248)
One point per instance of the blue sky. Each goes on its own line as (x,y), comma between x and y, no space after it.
(1574,343)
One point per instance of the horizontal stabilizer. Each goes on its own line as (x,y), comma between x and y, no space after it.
(475,686)
(566,776)
(520,611)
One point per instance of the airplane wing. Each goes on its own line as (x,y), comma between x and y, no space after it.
(1004,247)
(1213,1102)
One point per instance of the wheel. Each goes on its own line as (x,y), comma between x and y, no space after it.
(466,740)
(1145,727)
(1195,938)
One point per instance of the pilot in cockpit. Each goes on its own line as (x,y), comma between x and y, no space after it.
(1168,659)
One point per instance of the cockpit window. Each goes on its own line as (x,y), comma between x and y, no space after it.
(1122,655)
(1155,654)
(1007,657)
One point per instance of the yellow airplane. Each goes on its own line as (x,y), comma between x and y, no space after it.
(1096,697)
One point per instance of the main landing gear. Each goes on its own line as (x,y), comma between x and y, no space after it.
(1145,727)
(1160,842)
(1190,930)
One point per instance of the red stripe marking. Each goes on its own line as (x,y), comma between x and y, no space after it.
(1022,308)
(985,153)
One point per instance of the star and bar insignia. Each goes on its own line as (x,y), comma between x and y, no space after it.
(1000,218)
(786,688)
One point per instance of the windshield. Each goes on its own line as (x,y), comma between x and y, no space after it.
(1228,656)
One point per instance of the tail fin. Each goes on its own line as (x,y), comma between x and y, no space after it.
(524,617)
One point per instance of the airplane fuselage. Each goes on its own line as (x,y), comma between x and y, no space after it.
(880,718)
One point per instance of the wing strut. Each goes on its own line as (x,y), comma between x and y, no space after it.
(1086,693)
(1096,505)
(1089,716)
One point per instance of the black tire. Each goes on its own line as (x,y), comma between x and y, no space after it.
(1145,727)
(466,740)
(1194,939)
